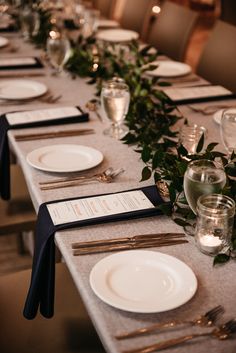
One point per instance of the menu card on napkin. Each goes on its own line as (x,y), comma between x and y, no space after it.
(197,93)
(20,62)
(45,117)
(31,116)
(98,206)
(119,206)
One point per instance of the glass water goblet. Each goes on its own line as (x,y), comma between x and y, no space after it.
(115,98)
(30,22)
(90,22)
(228,129)
(202,177)
(58,50)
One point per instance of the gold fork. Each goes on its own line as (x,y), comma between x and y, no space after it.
(105,177)
(221,333)
(207,319)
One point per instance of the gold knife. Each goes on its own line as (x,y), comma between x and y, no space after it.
(135,238)
(128,246)
(47,135)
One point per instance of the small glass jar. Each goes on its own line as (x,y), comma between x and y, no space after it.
(215,219)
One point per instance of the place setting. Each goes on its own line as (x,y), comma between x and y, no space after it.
(30,119)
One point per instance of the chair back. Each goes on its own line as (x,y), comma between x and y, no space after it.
(134,14)
(105,7)
(170,31)
(228,11)
(217,61)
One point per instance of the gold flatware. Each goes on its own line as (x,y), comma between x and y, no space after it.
(208,319)
(221,333)
(104,177)
(184,79)
(47,98)
(133,239)
(47,135)
(61,180)
(19,75)
(128,246)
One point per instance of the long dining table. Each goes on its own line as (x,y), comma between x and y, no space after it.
(215,285)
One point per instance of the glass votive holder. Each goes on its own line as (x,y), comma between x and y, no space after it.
(215,219)
(190,135)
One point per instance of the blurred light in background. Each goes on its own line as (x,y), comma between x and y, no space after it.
(156,9)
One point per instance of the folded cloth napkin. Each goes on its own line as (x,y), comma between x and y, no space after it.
(41,290)
(4,147)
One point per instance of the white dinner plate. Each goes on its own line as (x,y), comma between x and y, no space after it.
(117,35)
(143,281)
(21,89)
(218,115)
(3,42)
(170,69)
(64,158)
(107,24)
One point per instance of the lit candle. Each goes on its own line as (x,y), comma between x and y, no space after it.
(209,243)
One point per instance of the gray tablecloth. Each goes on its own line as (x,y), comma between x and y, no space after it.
(215,285)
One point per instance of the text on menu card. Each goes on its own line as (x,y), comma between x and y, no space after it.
(98,206)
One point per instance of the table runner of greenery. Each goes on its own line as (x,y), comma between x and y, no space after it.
(151,118)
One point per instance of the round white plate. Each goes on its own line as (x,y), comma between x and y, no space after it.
(117,35)
(21,89)
(64,158)
(170,69)
(218,115)
(143,281)
(3,42)
(107,24)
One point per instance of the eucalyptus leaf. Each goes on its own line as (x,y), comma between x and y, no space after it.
(221,259)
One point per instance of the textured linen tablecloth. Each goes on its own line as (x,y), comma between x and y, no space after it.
(215,285)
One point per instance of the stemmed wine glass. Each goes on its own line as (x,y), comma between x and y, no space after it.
(228,129)
(30,22)
(202,177)
(115,97)
(58,50)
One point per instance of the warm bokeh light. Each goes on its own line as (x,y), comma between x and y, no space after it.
(156,9)
(54,34)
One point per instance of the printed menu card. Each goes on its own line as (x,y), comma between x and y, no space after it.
(196,93)
(98,206)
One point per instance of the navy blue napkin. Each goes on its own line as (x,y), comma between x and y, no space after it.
(41,290)
(4,147)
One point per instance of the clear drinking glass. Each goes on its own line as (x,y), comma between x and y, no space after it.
(228,129)
(215,219)
(115,98)
(30,22)
(58,50)
(202,177)
(190,135)
(90,22)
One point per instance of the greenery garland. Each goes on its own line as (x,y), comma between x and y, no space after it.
(151,119)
